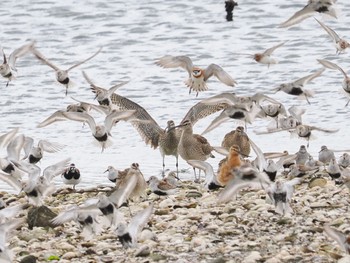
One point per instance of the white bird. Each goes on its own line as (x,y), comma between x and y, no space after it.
(35,153)
(8,67)
(128,234)
(211,181)
(71,175)
(313,7)
(85,214)
(38,186)
(197,77)
(61,75)
(265,57)
(296,87)
(340,43)
(346,80)
(281,194)
(101,133)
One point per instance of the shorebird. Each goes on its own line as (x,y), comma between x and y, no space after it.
(272,110)
(38,185)
(150,131)
(325,155)
(211,180)
(128,233)
(61,75)
(71,176)
(296,87)
(8,67)
(237,137)
(233,160)
(85,215)
(281,194)
(197,77)
(346,81)
(114,175)
(101,133)
(160,187)
(35,153)
(291,121)
(313,7)
(342,239)
(344,160)
(302,156)
(340,43)
(265,57)
(333,169)
(130,186)
(193,146)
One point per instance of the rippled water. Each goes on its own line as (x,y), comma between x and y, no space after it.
(133,34)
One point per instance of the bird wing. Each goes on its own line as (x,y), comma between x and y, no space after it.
(82,117)
(50,147)
(323,130)
(208,170)
(56,169)
(174,62)
(56,116)
(221,74)
(43,59)
(20,52)
(299,16)
(259,98)
(272,49)
(296,112)
(289,186)
(337,236)
(331,65)
(304,80)
(93,86)
(122,193)
(81,62)
(70,214)
(7,137)
(330,31)
(115,116)
(138,222)
(261,161)
(10,211)
(99,108)
(11,180)
(14,148)
(202,110)
(32,170)
(27,146)
(216,122)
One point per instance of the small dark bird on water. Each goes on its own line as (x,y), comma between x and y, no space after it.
(229,6)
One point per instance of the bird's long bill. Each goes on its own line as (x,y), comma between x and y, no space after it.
(174,127)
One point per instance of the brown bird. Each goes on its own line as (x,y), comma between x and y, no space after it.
(233,160)
(237,137)
(193,146)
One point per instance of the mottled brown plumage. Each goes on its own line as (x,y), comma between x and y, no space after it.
(237,137)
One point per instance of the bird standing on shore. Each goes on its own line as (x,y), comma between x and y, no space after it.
(71,175)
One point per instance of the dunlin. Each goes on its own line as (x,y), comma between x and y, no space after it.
(325,155)
(296,87)
(340,43)
(197,76)
(8,67)
(128,233)
(313,7)
(61,75)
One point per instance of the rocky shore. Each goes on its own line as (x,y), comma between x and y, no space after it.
(191,227)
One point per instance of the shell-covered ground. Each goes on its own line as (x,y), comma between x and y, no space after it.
(192,227)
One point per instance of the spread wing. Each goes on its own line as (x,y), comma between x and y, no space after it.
(331,65)
(304,80)
(221,74)
(81,62)
(43,59)
(176,61)
(20,52)
(299,16)
(330,31)
(138,222)
(270,50)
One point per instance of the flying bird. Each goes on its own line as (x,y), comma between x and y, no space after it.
(197,77)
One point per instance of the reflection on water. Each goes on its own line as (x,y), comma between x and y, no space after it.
(133,35)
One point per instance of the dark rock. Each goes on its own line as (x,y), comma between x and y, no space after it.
(40,216)
(28,259)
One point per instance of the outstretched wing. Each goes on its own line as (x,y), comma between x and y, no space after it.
(272,49)
(220,73)
(43,59)
(174,62)
(81,62)
(138,222)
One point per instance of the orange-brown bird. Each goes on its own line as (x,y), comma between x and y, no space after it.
(233,160)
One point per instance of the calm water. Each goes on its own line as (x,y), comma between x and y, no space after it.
(133,34)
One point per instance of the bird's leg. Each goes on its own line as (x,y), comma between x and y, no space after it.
(177,167)
(163,173)
(196,180)
(7,83)
(127,203)
(347,103)
(66,89)
(307,99)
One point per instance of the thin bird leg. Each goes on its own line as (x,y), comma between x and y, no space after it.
(307,100)
(177,167)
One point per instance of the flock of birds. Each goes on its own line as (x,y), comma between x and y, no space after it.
(234,172)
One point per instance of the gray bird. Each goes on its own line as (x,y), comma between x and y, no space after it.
(325,155)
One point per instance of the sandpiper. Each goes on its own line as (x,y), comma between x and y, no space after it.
(296,87)
(197,76)
(312,7)
(61,75)
(265,57)
(8,67)
(237,137)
